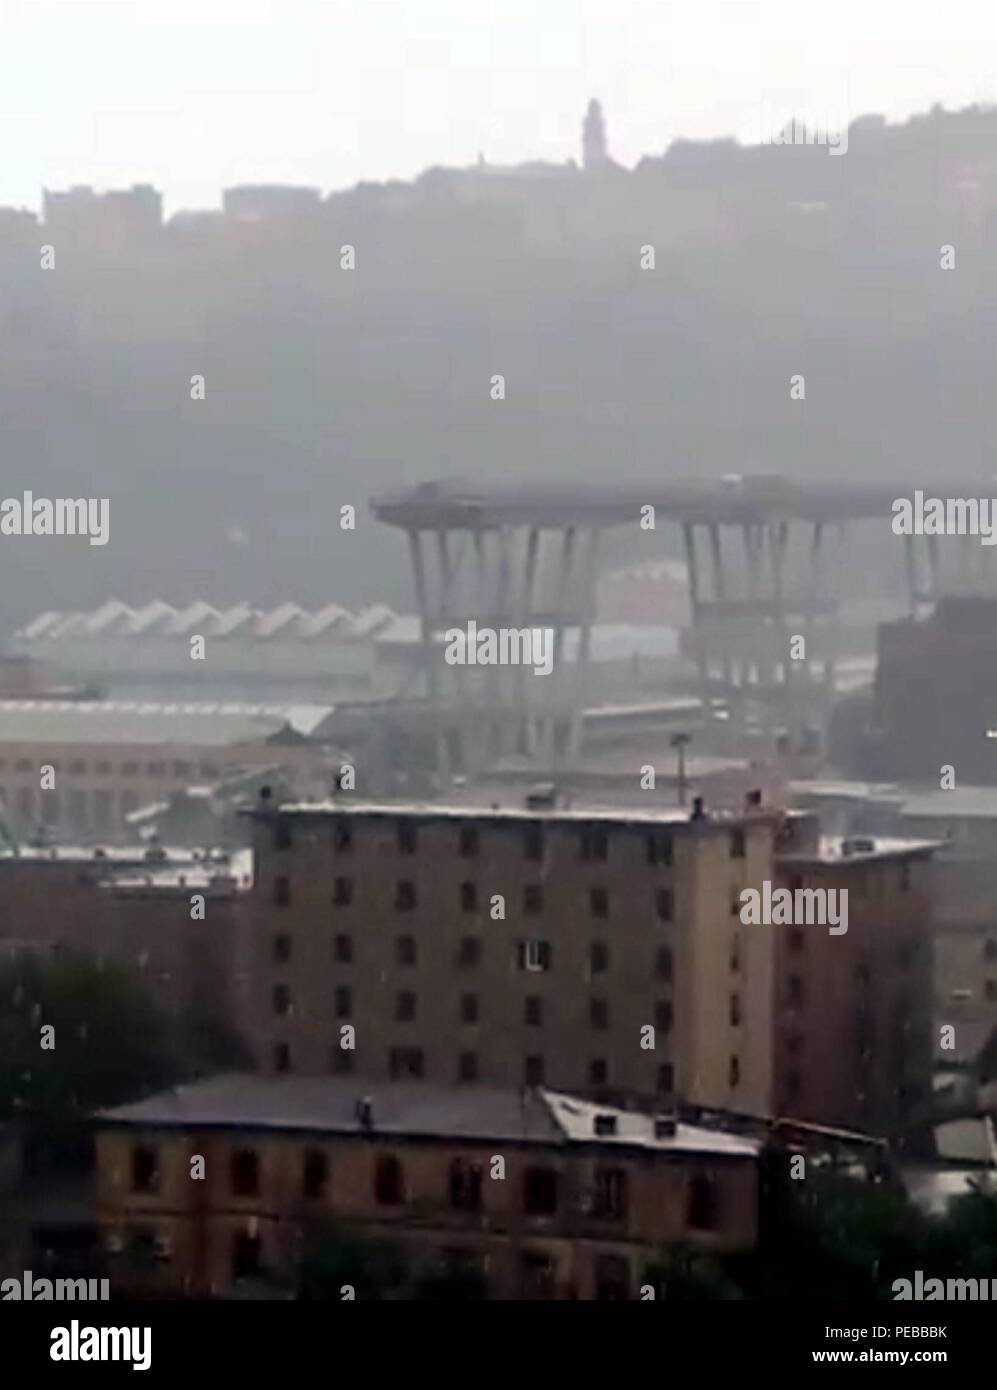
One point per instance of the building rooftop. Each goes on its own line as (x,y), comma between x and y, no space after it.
(159,620)
(329,1105)
(137,722)
(955,804)
(475,808)
(841,790)
(109,854)
(225,876)
(857,849)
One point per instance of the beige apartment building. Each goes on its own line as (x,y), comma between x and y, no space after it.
(540,1194)
(600,952)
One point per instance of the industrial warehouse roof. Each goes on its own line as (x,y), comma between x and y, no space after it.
(158,620)
(117,721)
(329,1105)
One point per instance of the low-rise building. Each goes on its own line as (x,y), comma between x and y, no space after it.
(542,1194)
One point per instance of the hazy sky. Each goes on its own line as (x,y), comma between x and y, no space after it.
(193,95)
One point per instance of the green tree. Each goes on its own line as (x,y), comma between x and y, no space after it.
(335,1256)
(108,1044)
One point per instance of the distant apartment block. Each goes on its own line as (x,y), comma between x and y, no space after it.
(933,693)
(133,905)
(584,1199)
(120,213)
(600,952)
(109,758)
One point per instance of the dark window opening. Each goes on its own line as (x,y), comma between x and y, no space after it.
(315,1175)
(533,1071)
(389,1187)
(540,1191)
(609,1202)
(245,1173)
(703,1205)
(465,1186)
(145,1170)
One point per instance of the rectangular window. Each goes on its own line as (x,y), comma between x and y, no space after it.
(405,896)
(343,1001)
(282,890)
(610,1196)
(598,957)
(737,844)
(342,892)
(664,904)
(533,955)
(533,901)
(599,1013)
(342,949)
(406,837)
(342,836)
(467,1066)
(281,948)
(389,1185)
(735,1010)
(599,902)
(245,1173)
(405,1006)
(405,1063)
(594,844)
(663,1016)
(598,1071)
(468,1008)
(533,1071)
(533,1011)
(540,1191)
(281,1057)
(315,1175)
(666,1079)
(533,842)
(281,1000)
(145,1169)
(405,950)
(468,897)
(469,842)
(465,1183)
(659,849)
(469,952)
(282,837)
